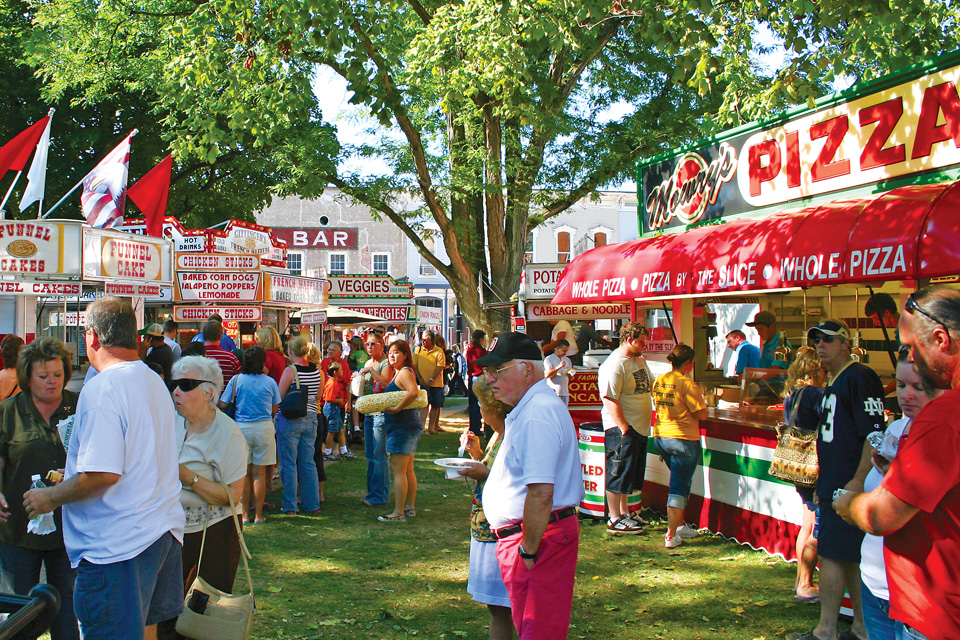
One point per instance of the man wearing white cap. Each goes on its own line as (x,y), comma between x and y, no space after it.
(531,494)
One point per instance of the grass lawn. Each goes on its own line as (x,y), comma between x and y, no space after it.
(342,574)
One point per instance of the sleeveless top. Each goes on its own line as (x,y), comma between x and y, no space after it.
(309,383)
(403,419)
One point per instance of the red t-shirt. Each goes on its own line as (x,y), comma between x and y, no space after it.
(344,369)
(276,363)
(474,352)
(923,557)
(228,362)
(334,390)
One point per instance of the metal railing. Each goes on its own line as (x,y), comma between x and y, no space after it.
(30,615)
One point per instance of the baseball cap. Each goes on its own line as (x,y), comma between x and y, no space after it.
(830,328)
(510,346)
(153,329)
(765,318)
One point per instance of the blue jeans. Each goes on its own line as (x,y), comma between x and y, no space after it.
(876,616)
(378,469)
(119,599)
(682,457)
(297,439)
(21,571)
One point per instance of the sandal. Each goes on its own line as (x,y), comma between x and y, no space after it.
(399,518)
(410,513)
(807,635)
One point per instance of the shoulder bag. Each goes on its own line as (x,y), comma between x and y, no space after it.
(795,458)
(294,405)
(211,614)
(231,410)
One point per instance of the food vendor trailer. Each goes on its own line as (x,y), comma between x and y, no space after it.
(804,214)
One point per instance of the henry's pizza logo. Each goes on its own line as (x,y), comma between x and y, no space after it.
(694,185)
(493,345)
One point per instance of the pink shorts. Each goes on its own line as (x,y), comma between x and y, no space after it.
(541,597)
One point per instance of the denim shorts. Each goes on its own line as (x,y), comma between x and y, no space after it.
(403,441)
(682,457)
(435,397)
(334,415)
(117,600)
(626,460)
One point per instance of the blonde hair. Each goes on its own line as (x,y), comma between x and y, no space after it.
(314,354)
(804,370)
(481,389)
(269,339)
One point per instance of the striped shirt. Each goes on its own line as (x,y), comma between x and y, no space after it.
(228,362)
(310,379)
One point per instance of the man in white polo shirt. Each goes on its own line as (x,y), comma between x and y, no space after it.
(531,494)
(122,520)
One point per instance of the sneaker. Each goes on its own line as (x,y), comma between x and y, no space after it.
(687,532)
(333,457)
(349,455)
(635,516)
(672,543)
(623,526)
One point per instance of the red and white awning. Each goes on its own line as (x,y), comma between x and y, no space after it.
(908,233)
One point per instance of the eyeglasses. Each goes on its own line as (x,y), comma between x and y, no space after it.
(186,384)
(372,344)
(494,372)
(823,338)
(912,306)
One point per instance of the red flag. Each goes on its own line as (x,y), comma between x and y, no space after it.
(14,154)
(104,188)
(150,194)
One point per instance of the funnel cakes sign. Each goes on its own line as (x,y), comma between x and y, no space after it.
(891,128)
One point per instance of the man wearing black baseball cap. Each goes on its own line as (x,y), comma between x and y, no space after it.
(852,408)
(531,494)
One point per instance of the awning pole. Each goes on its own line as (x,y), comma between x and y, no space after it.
(886,337)
(670,321)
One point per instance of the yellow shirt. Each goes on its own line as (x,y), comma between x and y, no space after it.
(677,398)
(430,364)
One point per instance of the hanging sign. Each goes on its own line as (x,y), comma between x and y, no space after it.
(367,286)
(229,314)
(313,317)
(294,290)
(25,288)
(544,311)
(68,319)
(540,280)
(214,286)
(387,313)
(132,289)
(899,130)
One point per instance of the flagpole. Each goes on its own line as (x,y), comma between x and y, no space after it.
(7,197)
(77,186)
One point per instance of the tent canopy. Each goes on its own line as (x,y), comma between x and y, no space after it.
(908,233)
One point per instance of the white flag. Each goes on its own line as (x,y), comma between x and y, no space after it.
(37,176)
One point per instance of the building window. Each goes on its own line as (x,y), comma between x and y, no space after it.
(381,264)
(599,239)
(528,249)
(295,262)
(338,263)
(563,246)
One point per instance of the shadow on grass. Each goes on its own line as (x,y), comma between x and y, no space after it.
(342,574)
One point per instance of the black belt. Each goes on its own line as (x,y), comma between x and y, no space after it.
(556,516)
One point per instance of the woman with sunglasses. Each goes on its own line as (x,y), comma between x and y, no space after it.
(403,428)
(213,460)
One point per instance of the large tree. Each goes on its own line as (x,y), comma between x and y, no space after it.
(236,181)
(496,115)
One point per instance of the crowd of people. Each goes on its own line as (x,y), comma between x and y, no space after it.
(165,457)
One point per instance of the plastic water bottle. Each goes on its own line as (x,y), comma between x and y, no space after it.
(43,523)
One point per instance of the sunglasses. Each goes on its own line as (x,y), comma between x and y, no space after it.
(186,384)
(822,338)
(912,307)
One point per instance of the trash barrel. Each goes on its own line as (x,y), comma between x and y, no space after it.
(593,466)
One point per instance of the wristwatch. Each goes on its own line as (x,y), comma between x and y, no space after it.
(196,479)
(526,556)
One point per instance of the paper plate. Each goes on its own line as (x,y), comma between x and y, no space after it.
(453,463)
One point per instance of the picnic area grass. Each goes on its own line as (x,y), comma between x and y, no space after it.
(342,574)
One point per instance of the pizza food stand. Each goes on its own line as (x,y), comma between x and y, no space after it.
(855,195)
